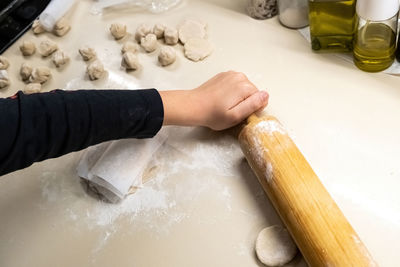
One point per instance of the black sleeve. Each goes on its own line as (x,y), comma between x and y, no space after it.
(47,125)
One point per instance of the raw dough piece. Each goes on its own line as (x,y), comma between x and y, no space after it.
(4,79)
(149,42)
(158,30)
(130,61)
(171,36)
(167,56)
(95,70)
(142,31)
(274,246)
(32,88)
(47,47)
(62,27)
(28,48)
(118,30)
(87,53)
(60,58)
(197,49)
(40,75)
(37,28)
(4,63)
(130,47)
(25,71)
(191,29)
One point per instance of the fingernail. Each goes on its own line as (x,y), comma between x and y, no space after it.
(264,95)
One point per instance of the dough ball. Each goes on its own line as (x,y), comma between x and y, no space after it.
(32,88)
(171,36)
(197,49)
(40,75)
(87,53)
(158,30)
(60,58)
(4,63)
(142,31)
(191,29)
(28,48)
(37,28)
(95,70)
(130,47)
(47,47)
(62,27)
(149,42)
(4,79)
(25,71)
(167,56)
(274,246)
(130,61)
(118,30)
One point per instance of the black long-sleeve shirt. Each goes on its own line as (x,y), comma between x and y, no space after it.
(47,125)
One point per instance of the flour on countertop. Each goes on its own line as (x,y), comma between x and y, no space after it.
(159,199)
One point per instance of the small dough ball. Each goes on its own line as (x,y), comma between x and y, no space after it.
(87,53)
(158,30)
(197,49)
(130,61)
(4,79)
(191,29)
(32,88)
(62,27)
(171,36)
(28,48)
(25,71)
(47,47)
(167,56)
(37,28)
(60,58)
(40,75)
(142,31)
(118,30)
(149,42)
(4,63)
(130,47)
(274,246)
(95,70)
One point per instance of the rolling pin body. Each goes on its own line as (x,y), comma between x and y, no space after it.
(316,223)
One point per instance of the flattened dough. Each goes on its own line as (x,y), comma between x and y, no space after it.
(197,49)
(191,29)
(274,246)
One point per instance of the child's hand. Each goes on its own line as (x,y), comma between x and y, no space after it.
(222,102)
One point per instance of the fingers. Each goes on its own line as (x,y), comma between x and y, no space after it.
(248,106)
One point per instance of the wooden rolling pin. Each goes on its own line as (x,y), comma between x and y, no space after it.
(317,225)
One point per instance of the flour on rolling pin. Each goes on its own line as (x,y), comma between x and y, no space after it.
(265,127)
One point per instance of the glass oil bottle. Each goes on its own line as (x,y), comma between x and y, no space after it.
(375,40)
(332,25)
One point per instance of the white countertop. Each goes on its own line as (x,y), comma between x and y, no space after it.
(203,206)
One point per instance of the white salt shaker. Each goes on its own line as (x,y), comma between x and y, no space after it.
(293,13)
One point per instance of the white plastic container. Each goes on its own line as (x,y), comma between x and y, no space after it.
(53,12)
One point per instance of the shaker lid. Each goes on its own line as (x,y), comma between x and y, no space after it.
(377,10)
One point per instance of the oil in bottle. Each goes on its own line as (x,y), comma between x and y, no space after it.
(332,25)
(375,40)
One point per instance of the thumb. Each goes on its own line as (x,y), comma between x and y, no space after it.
(250,105)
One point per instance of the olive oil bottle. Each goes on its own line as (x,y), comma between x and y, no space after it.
(375,40)
(332,25)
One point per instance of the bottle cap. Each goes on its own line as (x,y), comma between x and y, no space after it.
(377,10)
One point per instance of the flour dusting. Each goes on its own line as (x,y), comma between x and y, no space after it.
(270,127)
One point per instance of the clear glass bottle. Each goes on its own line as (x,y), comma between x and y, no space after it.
(293,13)
(375,40)
(332,25)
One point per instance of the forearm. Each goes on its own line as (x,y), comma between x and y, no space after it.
(181,108)
(41,126)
